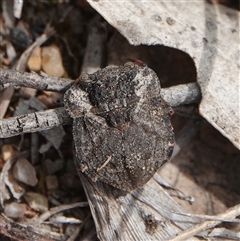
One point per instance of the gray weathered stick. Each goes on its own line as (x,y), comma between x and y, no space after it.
(37,121)
(44,120)
(174,96)
(182,94)
(34,80)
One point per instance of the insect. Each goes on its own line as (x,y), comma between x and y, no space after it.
(121,125)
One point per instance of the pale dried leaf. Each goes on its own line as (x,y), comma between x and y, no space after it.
(207,32)
(52,61)
(35,60)
(36,201)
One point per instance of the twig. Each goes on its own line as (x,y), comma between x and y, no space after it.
(182,94)
(44,120)
(224,233)
(230,213)
(211,217)
(34,80)
(174,96)
(48,119)
(171,190)
(11,229)
(79,228)
(38,121)
(55,210)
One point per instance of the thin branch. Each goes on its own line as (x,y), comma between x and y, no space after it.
(48,119)
(174,96)
(37,121)
(55,210)
(224,233)
(188,233)
(211,217)
(11,229)
(182,94)
(34,80)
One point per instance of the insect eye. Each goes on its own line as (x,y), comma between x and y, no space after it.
(129,64)
(84,77)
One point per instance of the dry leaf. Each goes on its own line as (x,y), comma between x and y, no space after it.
(52,61)
(35,60)
(209,33)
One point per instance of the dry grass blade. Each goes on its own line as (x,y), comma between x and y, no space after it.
(211,217)
(55,210)
(225,233)
(231,213)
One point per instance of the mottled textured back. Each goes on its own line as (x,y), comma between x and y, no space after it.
(121,128)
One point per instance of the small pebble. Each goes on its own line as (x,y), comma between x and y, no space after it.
(7,152)
(69,180)
(36,201)
(24,171)
(53,166)
(45,147)
(15,210)
(52,182)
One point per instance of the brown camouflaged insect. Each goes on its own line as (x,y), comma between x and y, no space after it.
(121,128)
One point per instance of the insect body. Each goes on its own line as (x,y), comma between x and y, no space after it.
(121,128)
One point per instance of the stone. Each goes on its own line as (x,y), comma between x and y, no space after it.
(25,172)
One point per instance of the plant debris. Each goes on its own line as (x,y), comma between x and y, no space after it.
(41,195)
